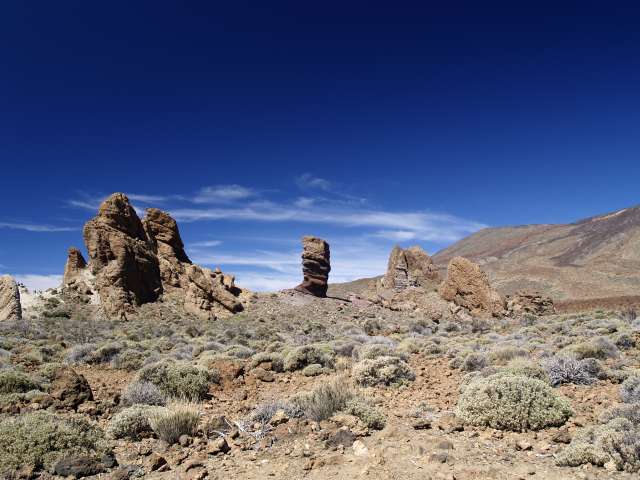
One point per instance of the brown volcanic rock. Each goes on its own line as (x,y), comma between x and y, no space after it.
(468,286)
(409,268)
(206,294)
(534,303)
(316,265)
(74,267)
(70,388)
(10,307)
(121,257)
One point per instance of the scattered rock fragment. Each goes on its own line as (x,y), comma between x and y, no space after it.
(529,302)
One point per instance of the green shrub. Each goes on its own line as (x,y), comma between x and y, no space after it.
(371,417)
(133,422)
(239,351)
(12,381)
(526,368)
(300,357)
(42,438)
(512,402)
(630,389)
(174,421)
(600,348)
(179,380)
(615,444)
(375,350)
(275,359)
(142,393)
(313,370)
(382,371)
(325,400)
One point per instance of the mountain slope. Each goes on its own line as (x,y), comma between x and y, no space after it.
(593,258)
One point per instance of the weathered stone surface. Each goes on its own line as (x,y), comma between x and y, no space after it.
(409,268)
(79,466)
(529,302)
(75,266)
(10,308)
(468,286)
(70,388)
(316,265)
(122,258)
(206,293)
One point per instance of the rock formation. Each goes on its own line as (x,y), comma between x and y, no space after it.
(10,308)
(206,293)
(468,286)
(534,303)
(75,266)
(122,258)
(315,266)
(409,268)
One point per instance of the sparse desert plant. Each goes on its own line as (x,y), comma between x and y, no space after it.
(512,402)
(179,418)
(327,399)
(265,411)
(13,381)
(563,369)
(275,359)
(239,351)
(382,371)
(375,350)
(474,362)
(615,444)
(133,422)
(506,354)
(314,370)
(625,341)
(81,353)
(142,393)
(41,438)
(179,380)
(409,346)
(630,411)
(129,359)
(527,368)
(371,417)
(599,347)
(630,389)
(300,357)
(628,315)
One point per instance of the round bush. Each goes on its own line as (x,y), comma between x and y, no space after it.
(12,381)
(42,438)
(300,357)
(512,402)
(382,371)
(178,380)
(630,389)
(142,393)
(133,422)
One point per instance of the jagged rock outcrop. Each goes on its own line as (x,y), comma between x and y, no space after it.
(122,258)
(75,266)
(468,286)
(412,267)
(10,308)
(316,265)
(206,293)
(529,302)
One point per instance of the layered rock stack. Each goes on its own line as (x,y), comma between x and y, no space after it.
(135,261)
(534,303)
(121,258)
(412,267)
(75,266)
(316,266)
(10,308)
(468,287)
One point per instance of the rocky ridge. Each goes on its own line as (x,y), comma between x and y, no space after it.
(10,308)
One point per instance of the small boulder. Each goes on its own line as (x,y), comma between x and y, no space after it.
(70,388)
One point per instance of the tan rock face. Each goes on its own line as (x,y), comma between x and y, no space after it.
(412,267)
(122,258)
(468,286)
(10,308)
(316,265)
(530,302)
(206,294)
(74,267)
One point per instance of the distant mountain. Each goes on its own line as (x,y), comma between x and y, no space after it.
(593,258)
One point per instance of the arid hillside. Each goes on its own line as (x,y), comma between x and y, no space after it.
(597,257)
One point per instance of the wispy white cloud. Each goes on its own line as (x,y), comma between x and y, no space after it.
(307,180)
(223,194)
(205,243)
(36,227)
(396,235)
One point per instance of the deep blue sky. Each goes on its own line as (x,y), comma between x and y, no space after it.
(364,122)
